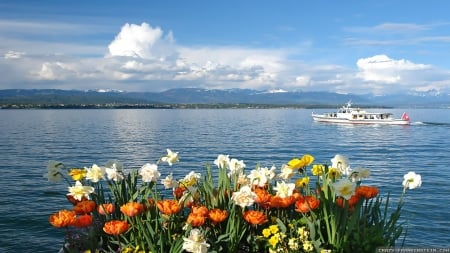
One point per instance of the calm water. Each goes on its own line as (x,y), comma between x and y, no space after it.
(29,138)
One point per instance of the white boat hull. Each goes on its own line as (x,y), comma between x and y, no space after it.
(321,118)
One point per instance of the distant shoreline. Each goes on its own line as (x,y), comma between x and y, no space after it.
(155,106)
(177,106)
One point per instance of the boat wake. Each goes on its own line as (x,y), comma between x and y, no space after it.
(420,123)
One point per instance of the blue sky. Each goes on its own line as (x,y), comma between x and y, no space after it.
(379,47)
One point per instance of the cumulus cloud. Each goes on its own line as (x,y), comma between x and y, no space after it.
(141,41)
(381,68)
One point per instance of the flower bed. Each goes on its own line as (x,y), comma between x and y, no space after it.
(300,207)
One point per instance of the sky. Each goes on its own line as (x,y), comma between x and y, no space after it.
(358,47)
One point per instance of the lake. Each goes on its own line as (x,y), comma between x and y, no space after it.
(29,138)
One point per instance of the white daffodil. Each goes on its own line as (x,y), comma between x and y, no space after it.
(195,243)
(188,195)
(344,188)
(244,197)
(116,164)
(95,173)
(235,167)
(190,179)
(270,173)
(222,161)
(171,157)
(54,173)
(360,173)
(284,190)
(242,179)
(342,163)
(78,191)
(169,182)
(286,172)
(149,173)
(258,177)
(412,180)
(113,173)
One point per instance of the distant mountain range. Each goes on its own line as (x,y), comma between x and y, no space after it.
(190,96)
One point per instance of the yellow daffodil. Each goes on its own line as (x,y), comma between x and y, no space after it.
(302,182)
(307,159)
(334,173)
(77,174)
(295,164)
(318,169)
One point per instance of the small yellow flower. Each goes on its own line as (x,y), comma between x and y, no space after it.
(302,234)
(273,229)
(266,232)
(318,169)
(293,244)
(77,174)
(273,241)
(302,182)
(307,246)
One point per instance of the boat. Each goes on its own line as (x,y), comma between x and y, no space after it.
(351,115)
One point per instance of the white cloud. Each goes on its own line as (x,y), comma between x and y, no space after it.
(142,57)
(13,55)
(381,68)
(141,41)
(302,81)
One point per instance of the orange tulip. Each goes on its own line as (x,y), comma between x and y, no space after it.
(200,210)
(132,209)
(217,215)
(83,221)
(116,227)
(84,207)
(168,207)
(255,217)
(107,208)
(354,199)
(196,220)
(306,204)
(262,197)
(151,202)
(63,218)
(178,192)
(297,195)
(367,192)
(279,202)
(351,202)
